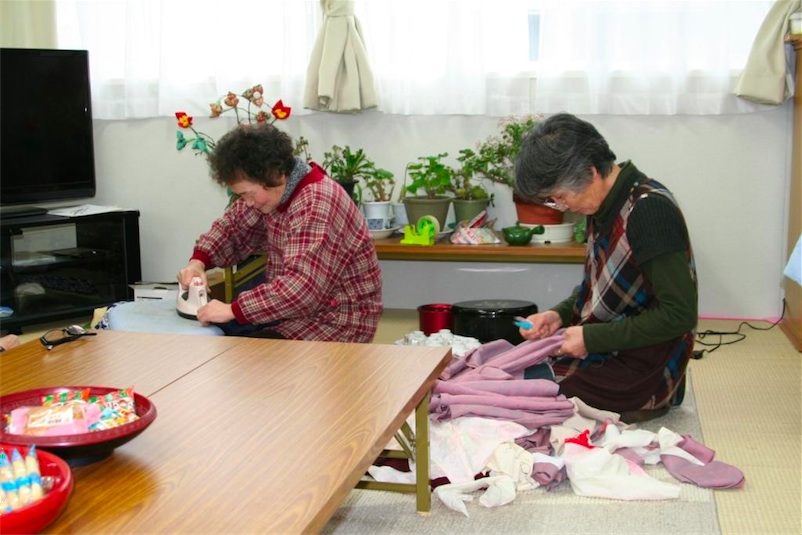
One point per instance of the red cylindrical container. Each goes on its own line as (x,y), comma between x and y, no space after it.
(434,317)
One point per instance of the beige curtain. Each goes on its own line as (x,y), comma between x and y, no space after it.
(339,78)
(28,24)
(766,77)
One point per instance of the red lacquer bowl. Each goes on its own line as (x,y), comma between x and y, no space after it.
(35,517)
(82,448)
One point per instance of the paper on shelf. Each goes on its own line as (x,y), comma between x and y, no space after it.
(83,209)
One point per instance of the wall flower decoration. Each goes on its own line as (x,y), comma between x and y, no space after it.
(249,112)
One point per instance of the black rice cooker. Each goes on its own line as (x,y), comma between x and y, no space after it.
(490,319)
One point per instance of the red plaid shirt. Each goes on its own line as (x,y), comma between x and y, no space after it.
(323,276)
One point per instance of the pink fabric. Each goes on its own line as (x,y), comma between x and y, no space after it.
(531,387)
(713,475)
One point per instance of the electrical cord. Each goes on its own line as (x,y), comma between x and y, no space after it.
(737,333)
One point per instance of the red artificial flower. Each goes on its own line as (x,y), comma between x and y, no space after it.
(280,111)
(184,120)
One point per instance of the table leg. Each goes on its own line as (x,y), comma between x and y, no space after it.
(422,490)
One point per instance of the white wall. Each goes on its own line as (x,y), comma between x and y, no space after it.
(730,173)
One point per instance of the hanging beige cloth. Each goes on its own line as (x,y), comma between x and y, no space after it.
(339,78)
(766,77)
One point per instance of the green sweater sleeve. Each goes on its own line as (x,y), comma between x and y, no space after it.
(675,314)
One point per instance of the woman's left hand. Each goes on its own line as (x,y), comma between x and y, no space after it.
(215,312)
(574,344)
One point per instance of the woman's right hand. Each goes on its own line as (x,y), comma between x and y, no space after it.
(195,268)
(543,324)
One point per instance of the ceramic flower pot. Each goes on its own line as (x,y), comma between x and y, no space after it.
(536,214)
(467,209)
(417,207)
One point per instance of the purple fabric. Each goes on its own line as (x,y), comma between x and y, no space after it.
(526,403)
(475,357)
(713,475)
(531,387)
(548,475)
(528,419)
(489,383)
(697,449)
(538,442)
(512,362)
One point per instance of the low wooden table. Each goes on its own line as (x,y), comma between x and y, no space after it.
(252,435)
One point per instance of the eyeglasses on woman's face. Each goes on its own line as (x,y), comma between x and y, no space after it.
(62,336)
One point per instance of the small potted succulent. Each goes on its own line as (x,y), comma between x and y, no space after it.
(470,195)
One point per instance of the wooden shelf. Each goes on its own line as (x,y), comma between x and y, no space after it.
(443,250)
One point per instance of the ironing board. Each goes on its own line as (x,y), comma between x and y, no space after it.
(152,316)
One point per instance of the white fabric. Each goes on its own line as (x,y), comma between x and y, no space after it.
(339,77)
(428,56)
(460,448)
(511,460)
(500,491)
(598,473)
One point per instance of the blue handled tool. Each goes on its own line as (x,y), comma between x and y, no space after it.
(522,322)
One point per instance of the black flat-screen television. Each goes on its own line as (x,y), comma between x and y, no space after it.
(46,141)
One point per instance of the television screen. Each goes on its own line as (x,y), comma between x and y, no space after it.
(46,141)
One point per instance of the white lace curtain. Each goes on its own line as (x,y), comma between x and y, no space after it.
(150,58)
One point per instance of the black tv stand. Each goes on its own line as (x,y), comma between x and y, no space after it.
(11,212)
(58,268)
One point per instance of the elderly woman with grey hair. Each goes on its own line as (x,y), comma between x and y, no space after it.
(629,326)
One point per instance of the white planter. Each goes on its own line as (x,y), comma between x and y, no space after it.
(399,214)
(377,214)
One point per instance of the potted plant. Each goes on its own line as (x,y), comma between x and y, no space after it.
(433,178)
(347,166)
(494,159)
(379,184)
(470,195)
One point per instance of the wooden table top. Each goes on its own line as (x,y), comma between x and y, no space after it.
(443,250)
(264,436)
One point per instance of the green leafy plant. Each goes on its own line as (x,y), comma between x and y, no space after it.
(466,183)
(494,158)
(346,165)
(430,175)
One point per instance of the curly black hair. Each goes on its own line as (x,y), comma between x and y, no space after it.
(259,153)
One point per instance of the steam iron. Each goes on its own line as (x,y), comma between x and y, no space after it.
(189,300)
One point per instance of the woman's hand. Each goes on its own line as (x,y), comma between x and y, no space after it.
(195,268)
(215,312)
(574,344)
(543,324)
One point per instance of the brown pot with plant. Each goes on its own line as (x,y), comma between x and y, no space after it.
(426,194)
(494,159)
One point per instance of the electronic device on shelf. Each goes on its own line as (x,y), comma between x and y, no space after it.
(46,137)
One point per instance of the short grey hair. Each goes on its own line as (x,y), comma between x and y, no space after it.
(557,154)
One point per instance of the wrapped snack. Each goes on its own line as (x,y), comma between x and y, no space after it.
(8,483)
(54,420)
(21,478)
(117,408)
(34,473)
(62,398)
